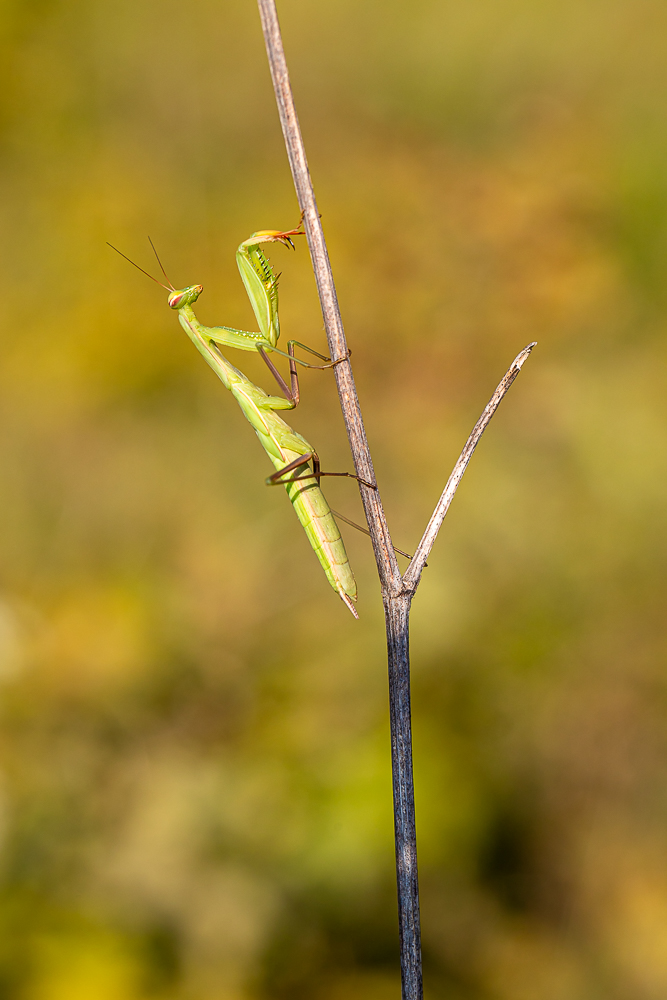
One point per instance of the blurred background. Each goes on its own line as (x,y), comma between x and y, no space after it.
(196,796)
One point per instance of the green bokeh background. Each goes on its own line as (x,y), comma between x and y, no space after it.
(196,796)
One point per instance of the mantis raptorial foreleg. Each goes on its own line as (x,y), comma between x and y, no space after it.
(261,284)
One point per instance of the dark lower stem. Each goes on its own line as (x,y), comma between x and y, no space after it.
(397,615)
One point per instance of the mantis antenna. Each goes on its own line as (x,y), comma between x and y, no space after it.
(168,288)
(160,263)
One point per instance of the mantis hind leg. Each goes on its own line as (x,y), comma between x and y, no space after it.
(277,480)
(353,524)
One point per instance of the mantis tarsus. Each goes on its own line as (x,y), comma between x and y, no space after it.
(289,452)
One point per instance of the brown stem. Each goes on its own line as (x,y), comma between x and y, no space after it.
(397,621)
(390,575)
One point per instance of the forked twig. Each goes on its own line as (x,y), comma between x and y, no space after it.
(397,591)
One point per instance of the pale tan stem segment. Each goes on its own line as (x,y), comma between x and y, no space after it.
(390,575)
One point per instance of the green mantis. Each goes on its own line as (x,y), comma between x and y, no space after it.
(289,452)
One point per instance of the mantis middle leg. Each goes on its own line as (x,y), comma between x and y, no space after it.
(292,392)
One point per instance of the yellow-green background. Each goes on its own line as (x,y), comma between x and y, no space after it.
(196,797)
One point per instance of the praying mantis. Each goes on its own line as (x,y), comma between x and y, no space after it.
(289,452)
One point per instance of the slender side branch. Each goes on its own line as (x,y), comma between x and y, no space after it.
(413,573)
(384,553)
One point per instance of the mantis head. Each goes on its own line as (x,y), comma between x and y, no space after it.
(185,296)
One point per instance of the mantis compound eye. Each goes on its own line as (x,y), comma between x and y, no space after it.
(185,297)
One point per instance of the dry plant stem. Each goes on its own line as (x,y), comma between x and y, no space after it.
(396,600)
(390,575)
(397,592)
(397,621)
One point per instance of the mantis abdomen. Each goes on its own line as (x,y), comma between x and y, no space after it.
(320,526)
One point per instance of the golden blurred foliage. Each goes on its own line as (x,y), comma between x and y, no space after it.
(195,800)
